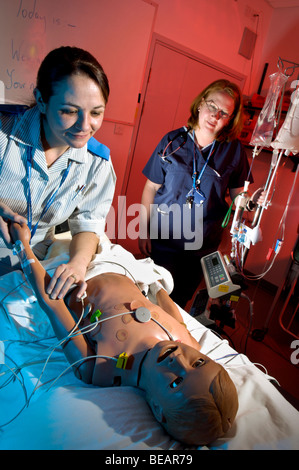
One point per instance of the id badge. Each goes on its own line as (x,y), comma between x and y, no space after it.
(195,197)
(199,197)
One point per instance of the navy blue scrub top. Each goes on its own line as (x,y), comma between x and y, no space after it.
(228,167)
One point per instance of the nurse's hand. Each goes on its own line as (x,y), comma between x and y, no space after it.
(145,246)
(64,277)
(6,215)
(259,196)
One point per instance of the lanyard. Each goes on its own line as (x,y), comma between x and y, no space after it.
(51,198)
(196,181)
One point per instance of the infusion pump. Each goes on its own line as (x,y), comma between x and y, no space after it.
(217,277)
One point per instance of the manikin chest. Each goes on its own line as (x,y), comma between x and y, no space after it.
(121,339)
(117,327)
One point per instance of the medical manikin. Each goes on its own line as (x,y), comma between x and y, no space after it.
(116,336)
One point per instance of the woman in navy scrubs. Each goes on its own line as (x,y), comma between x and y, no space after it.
(188,177)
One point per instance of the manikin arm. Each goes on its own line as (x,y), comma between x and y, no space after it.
(60,318)
(167,304)
(164,301)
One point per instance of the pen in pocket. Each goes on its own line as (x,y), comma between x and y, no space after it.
(78,191)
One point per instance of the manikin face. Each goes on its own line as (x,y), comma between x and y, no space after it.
(174,371)
(215,112)
(74,112)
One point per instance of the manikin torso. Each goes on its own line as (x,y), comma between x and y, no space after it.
(114,294)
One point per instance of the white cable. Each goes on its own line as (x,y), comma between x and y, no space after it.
(281,224)
(72,334)
(163,328)
(25,395)
(55,347)
(83,359)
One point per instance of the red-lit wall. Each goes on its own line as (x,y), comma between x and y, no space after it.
(215,30)
(119,33)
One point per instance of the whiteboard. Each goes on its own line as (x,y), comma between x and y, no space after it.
(116,32)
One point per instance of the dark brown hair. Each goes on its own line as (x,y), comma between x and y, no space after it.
(202,420)
(66,61)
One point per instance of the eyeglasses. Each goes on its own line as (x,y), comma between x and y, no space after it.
(213,109)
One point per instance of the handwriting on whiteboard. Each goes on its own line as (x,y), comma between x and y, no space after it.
(26,53)
(29,11)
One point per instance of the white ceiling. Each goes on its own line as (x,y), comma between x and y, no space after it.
(283,3)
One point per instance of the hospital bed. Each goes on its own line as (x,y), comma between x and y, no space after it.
(44,407)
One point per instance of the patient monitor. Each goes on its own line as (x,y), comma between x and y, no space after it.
(217,277)
(224,286)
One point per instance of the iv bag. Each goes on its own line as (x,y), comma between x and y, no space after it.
(263,131)
(288,135)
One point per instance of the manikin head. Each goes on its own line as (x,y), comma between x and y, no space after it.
(192,396)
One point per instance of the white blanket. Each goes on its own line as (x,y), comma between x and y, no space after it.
(66,414)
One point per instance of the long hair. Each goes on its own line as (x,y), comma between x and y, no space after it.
(232,129)
(65,61)
(202,420)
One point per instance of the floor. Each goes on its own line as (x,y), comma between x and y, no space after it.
(263,339)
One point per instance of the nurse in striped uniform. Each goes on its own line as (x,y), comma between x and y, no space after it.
(51,167)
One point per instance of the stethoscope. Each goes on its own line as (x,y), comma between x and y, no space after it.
(51,199)
(195,195)
(184,135)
